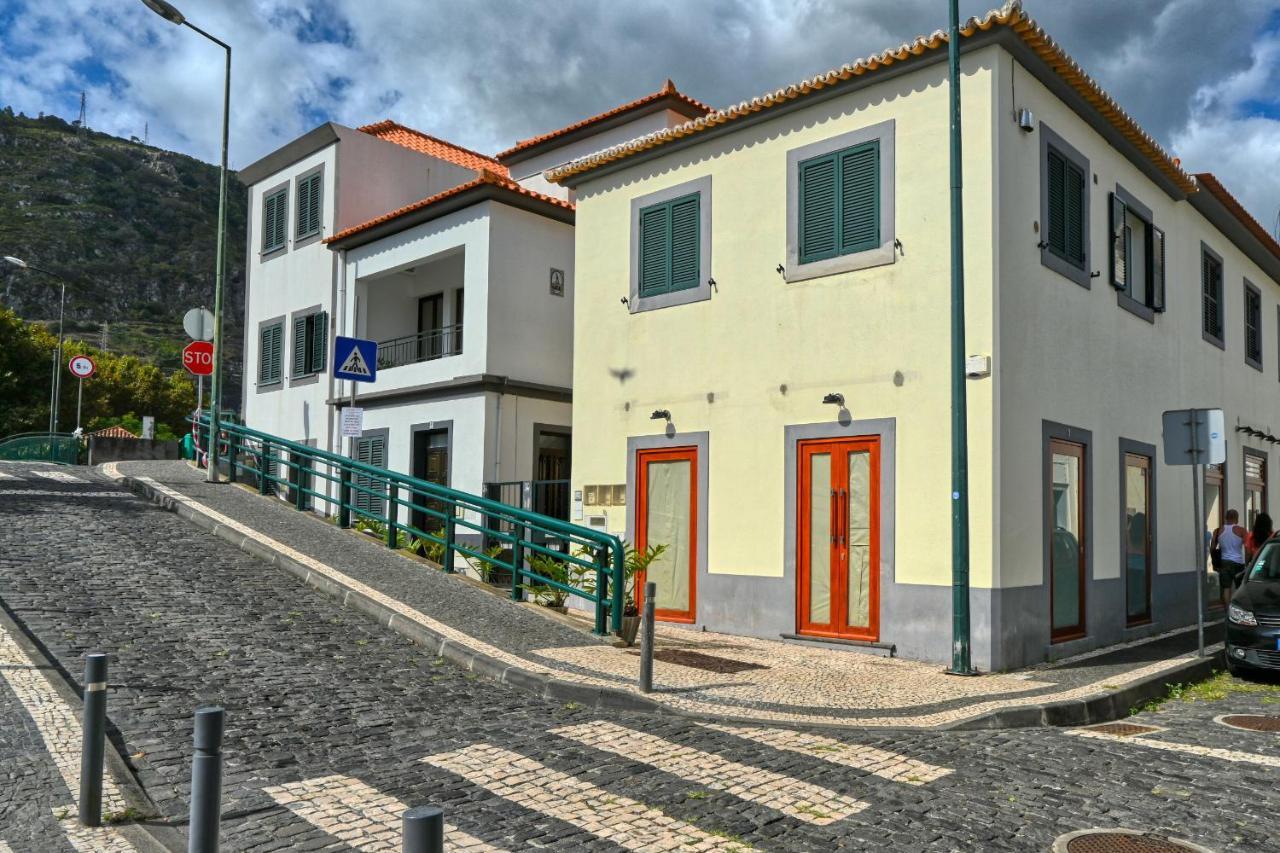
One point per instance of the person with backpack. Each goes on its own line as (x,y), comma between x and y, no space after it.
(1227,552)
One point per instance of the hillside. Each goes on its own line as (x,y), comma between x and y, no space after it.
(133,228)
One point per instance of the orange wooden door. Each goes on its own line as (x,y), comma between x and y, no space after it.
(838,538)
(667,514)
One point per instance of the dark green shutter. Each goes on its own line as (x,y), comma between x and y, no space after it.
(1074,198)
(371,450)
(1157,268)
(299,347)
(1211,284)
(269,355)
(308,218)
(860,198)
(684,243)
(1057,224)
(1119,245)
(268,222)
(319,340)
(817,226)
(654,250)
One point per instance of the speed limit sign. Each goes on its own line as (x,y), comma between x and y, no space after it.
(81,366)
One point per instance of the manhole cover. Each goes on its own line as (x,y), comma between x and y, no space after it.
(1122,841)
(1252,722)
(698,660)
(1121,729)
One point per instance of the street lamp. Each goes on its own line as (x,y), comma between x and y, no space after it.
(172,15)
(55,383)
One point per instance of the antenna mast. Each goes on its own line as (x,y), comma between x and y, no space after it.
(81,122)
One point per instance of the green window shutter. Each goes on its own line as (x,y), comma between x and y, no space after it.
(268,222)
(319,340)
(655,250)
(1074,197)
(860,198)
(1057,224)
(308,216)
(818,209)
(1211,284)
(277,351)
(1119,245)
(299,347)
(313,207)
(1157,268)
(304,204)
(685,243)
(269,355)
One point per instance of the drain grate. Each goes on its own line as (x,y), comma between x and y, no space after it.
(698,660)
(1121,729)
(1252,722)
(1109,841)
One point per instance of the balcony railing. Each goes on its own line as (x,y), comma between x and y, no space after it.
(425,346)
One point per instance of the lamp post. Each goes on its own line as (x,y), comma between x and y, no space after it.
(171,14)
(55,382)
(960,662)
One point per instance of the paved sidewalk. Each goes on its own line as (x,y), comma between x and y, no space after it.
(737,677)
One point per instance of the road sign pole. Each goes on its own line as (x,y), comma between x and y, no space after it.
(200,393)
(79,401)
(1198,528)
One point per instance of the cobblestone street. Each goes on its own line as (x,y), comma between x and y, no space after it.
(336,724)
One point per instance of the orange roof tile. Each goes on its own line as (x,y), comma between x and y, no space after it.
(667,91)
(486,176)
(116,431)
(416,140)
(1210,182)
(1010,15)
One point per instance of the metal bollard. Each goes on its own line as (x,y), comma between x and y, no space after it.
(94,741)
(424,830)
(206,781)
(646,638)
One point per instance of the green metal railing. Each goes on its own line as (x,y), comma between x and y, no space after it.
(60,447)
(434,516)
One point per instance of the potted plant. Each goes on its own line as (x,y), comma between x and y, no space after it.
(636,563)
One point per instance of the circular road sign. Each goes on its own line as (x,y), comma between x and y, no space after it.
(197,357)
(198,324)
(81,366)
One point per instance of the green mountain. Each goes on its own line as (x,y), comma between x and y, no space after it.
(132,228)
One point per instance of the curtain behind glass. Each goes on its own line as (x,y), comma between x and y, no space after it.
(667,503)
(859,538)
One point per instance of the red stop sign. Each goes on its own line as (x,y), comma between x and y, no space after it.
(197,357)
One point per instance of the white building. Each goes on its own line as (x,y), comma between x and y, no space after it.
(458,264)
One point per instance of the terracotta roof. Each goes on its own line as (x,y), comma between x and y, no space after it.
(486,176)
(1210,182)
(1010,15)
(667,91)
(112,432)
(416,140)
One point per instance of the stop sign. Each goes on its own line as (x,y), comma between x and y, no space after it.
(197,357)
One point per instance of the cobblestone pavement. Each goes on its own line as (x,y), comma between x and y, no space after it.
(777,682)
(335,724)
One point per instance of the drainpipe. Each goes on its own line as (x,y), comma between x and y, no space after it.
(497,436)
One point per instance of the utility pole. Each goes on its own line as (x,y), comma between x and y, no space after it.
(960,662)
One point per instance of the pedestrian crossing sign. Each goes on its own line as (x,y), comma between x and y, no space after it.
(355,359)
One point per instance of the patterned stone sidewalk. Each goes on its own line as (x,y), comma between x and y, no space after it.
(736,677)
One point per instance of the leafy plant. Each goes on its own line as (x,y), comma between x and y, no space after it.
(636,563)
(552,569)
(484,566)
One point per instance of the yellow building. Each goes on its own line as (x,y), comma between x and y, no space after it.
(761,355)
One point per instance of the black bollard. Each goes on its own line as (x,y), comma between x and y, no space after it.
(206,781)
(646,638)
(93,743)
(424,830)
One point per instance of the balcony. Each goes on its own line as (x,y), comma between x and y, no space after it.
(425,346)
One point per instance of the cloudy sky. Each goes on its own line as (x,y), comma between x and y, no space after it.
(1202,75)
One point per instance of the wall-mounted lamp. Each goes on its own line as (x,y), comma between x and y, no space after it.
(781,269)
(897,244)
(836,399)
(660,415)
(626,301)
(1026,120)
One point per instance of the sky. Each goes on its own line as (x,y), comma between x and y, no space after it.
(1202,76)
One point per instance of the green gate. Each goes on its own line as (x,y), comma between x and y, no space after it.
(60,447)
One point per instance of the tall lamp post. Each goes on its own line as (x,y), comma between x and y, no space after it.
(960,660)
(55,382)
(170,13)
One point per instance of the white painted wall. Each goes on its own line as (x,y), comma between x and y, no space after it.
(510,436)
(530,331)
(466,461)
(529,172)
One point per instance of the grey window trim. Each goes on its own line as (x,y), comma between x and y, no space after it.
(1221,342)
(1255,363)
(267,387)
(1049,139)
(1124,300)
(701,186)
(305,378)
(300,240)
(1050,431)
(1129,447)
(263,253)
(885,132)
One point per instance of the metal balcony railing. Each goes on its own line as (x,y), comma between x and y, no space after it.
(425,346)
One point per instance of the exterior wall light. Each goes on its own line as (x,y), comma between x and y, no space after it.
(1026,120)
(836,399)
(660,415)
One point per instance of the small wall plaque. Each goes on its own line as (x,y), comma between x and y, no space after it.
(557,282)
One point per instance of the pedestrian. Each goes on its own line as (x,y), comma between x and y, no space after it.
(1258,536)
(1227,550)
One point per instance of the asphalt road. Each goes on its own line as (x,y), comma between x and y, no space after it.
(334,724)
